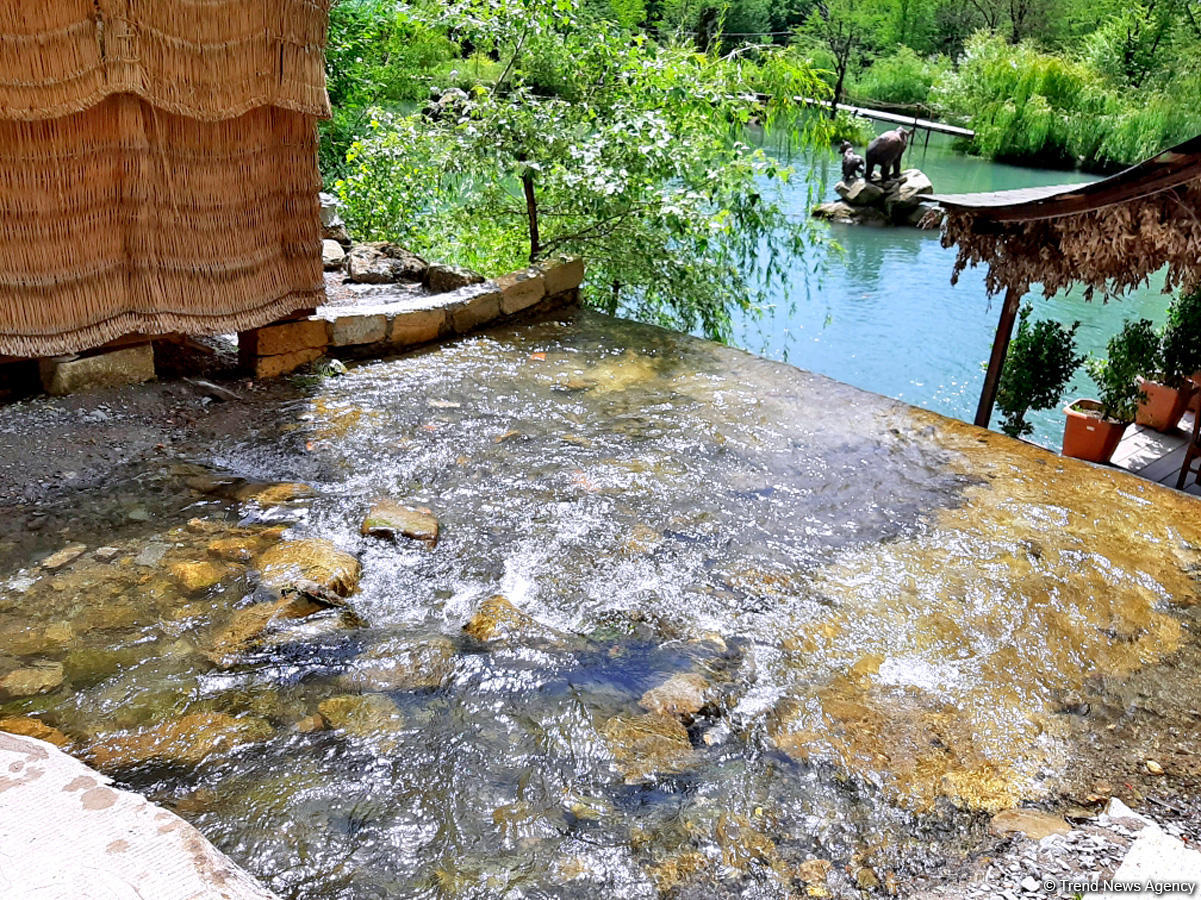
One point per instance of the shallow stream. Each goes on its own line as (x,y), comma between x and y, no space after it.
(876,625)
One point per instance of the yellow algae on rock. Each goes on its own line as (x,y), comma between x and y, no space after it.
(318,561)
(676,869)
(196,576)
(275,494)
(950,645)
(361,715)
(189,739)
(498,619)
(36,679)
(647,745)
(34,728)
(248,625)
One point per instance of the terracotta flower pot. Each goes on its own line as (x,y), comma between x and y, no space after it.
(1164,405)
(1086,435)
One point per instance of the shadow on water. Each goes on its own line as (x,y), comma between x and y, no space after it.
(754,620)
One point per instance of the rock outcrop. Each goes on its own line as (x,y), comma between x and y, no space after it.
(899,201)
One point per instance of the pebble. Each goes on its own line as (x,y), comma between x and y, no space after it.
(151,555)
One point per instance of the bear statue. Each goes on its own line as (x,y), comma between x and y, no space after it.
(886,152)
(852,162)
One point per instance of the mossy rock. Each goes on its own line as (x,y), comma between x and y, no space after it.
(293,563)
(188,740)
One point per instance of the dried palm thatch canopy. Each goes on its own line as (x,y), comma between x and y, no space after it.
(1109,236)
(160,167)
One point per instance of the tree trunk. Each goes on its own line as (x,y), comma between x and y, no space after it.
(837,98)
(531,211)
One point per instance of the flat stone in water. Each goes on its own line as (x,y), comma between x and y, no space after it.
(34,728)
(36,679)
(189,739)
(403,666)
(1033,823)
(681,695)
(288,564)
(648,745)
(388,518)
(64,556)
(152,554)
(361,715)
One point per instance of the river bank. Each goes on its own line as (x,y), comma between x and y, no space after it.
(762,632)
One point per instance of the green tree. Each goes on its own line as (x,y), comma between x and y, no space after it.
(847,29)
(634,161)
(1041,360)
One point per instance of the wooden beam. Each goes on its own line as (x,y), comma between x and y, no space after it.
(996,362)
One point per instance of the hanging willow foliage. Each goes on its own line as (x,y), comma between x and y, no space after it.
(1109,250)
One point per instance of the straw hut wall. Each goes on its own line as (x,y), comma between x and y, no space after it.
(160,167)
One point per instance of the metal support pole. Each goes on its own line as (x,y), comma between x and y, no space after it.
(996,362)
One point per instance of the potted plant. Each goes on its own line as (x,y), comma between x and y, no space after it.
(1167,389)
(1038,365)
(1095,427)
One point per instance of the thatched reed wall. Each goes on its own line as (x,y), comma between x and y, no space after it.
(1107,250)
(160,169)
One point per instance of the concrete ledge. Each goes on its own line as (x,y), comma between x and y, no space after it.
(473,306)
(67,374)
(562,275)
(382,328)
(521,290)
(66,833)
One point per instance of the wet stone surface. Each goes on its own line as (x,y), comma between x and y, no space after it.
(695,624)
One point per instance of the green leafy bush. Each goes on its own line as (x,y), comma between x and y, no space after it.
(1130,353)
(900,79)
(1180,340)
(1032,105)
(1041,360)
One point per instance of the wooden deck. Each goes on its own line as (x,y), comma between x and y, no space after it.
(1156,456)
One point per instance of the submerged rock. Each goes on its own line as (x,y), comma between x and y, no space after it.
(244,545)
(388,518)
(293,563)
(248,626)
(1033,823)
(361,715)
(64,556)
(34,728)
(402,666)
(647,745)
(189,740)
(499,620)
(274,494)
(196,576)
(681,695)
(36,679)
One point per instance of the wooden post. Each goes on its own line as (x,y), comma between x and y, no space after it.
(996,362)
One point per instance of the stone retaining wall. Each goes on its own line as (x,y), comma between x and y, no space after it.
(382,328)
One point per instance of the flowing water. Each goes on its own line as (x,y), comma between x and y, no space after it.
(885,316)
(876,625)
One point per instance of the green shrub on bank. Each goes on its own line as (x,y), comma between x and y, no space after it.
(1029,105)
(901,78)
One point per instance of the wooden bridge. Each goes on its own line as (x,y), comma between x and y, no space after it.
(896,118)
